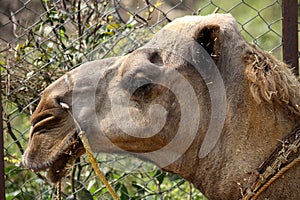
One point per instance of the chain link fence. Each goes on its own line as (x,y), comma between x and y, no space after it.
(42,39)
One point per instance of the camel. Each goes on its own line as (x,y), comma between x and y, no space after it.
(197,100)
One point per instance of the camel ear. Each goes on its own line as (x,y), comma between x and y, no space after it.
(209,38)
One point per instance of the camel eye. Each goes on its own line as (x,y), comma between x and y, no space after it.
(141,78)
(58,100)
(135,81)
(139,82)
(144,89)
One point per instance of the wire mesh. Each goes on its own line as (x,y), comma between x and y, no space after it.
(40,40)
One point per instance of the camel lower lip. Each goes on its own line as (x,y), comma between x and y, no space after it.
(73,148)
(36,167)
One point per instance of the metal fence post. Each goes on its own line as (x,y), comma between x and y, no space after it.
(290,33)
(2,181)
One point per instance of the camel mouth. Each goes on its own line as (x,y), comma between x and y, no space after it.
(65,159)
(57,166)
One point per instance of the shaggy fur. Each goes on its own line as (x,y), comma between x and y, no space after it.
(271,80)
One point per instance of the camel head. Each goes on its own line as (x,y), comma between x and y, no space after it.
(187,100)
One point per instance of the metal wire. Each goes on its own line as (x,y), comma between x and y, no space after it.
(41,40)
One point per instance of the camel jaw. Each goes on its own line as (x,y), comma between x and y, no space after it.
(57,165)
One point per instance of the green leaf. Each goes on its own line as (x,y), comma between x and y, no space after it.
(53,15)
(124,193)
(47,30)
(84,194)
(129,25)
(140,188)
(12,195)
(29,74)
(12,170)
(160,175)
(118,186)
(62,32)
(91,184)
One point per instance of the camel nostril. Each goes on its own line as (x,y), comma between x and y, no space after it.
(40,118)
(156,58)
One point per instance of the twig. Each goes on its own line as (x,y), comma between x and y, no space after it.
(89,153)
(73,186)
(79,21)
(216,10)
(93,161)
(14,23)
(10,131)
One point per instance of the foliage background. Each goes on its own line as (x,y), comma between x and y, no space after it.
(42,39)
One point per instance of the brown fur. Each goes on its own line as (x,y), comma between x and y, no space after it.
(271,79)
(262,108)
